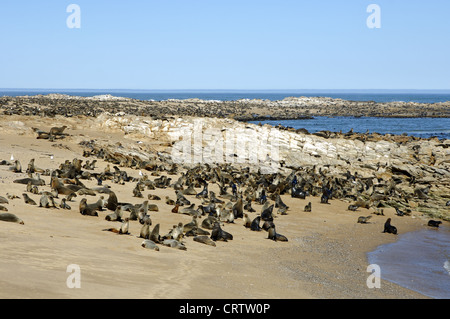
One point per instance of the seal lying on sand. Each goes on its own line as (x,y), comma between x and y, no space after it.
(149,244)
(7,217)
(205,240)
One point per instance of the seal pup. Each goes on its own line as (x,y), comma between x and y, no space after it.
(307,207)
(175,209)
(17,168)
(209,222)
(28,200)
(8,217)
(64,205)
(388,228)
(169,201)
(123,230)
(363,219)
(149,244)
(434,223)
(204,240)
(219,234)
(267,224)
(274,235)
(116,215)
(47,201)
(145,230)
(247,221)
(255,224)
(353,208)
(153,197)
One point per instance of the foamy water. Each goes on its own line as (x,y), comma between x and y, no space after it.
(419,261)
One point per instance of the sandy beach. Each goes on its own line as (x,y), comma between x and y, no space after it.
(325,256)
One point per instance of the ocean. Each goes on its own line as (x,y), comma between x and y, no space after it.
(418,260)
(430,96)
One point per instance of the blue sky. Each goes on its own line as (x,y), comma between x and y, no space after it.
(218,44)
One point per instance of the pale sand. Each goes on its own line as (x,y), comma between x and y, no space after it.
(324,258)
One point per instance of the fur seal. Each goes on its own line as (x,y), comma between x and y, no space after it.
(145,230)
(173,243)
(88,209)
(197,231)
(219,234)
(247,221)
(237,209)
(353,208)
(363,219)
(153,197)
(116,215)
(297,193)
(123,230)
(56,131)
(8,217)
(149,244)
(205,240)
(189,226)
(267,225)
(209,222)
(28,200)
(64,205)
(276,236)
(266,215)
(388,228)
(3,200)
(47,201)
(255,224)
(308,207)
(3,208)
(448,203)
(203,193)
(434,223)
(154,234)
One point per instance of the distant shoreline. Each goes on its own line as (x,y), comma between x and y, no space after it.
(288,108)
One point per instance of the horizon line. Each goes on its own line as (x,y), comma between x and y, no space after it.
(218,90)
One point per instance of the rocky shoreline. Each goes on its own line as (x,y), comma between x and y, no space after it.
(242,110)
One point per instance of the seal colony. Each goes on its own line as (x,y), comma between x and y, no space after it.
(208,201)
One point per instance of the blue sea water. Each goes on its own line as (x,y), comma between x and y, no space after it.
(418,260)
(429,96)
(419,127)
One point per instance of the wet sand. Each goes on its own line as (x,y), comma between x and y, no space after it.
(325,256)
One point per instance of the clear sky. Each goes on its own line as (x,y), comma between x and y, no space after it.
(225,44)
